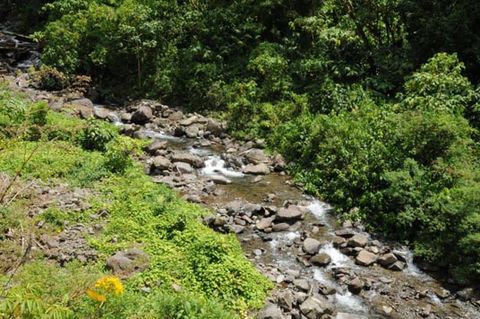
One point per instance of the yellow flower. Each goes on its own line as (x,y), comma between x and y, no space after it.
(108,285)
(96,296)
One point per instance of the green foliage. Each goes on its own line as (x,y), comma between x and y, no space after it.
(97,134)
(49,78)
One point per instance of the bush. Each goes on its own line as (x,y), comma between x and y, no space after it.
(49,78)
(97,134)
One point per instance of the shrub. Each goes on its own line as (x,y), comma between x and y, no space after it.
(96,135)
(49,78)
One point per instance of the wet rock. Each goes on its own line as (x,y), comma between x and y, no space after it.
(322,259)
(265,223)
(314,308)
(402,256)
(358,240)
(302,284)
(143,115)
(271,311)
(355,285)
(397,266)
(289,214)
(311,246)
(285,299)
(160,163)
(128,262)
(279,163)
(259,169)
(365,258)
(194,160)
(387,260)
(466,294)
(256,156)
(183,167)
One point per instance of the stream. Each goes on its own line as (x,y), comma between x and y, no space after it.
(242,201)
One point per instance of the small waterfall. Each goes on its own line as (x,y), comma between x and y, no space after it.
(214,165)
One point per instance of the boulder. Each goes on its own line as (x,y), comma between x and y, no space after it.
(397,266)
(194,160)
(221,180)
(214,127)
(314,308)
(101,113)
(265,223)
(280,227)
(289,214)
(161,163)
(302,284)
(258,169)
(358,240)
(271,311)
(183,167)
(156,146)
(311,246)
(128,262)
(355,285)
(322,259)
(285,299)
(256,156)
(365,258)
(189,121)
(175,116)
(82,102)
(142,115)
(192,131)
(346,233)
(387,259)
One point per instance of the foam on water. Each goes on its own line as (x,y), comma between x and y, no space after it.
(199,151)
(338,259)
(347,301)
(284,238)
(319,209)
(412,269)
(214,165)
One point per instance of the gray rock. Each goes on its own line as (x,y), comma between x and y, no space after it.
(346,233)
(355,285)
(280,227)
(302,284)
(311,246)
(221,180)
(175,116)
(338,241)
(259,169)
(142,116)
(128,262)
(365,258)
(271,311)
(156,146)
(314,308)
(321,259)
(387,259)
(101,113)
(161,163)
(285,299)
(192,131)
(256,156)
(194,160)
(358,240)
(289,214)
(397,266)
(265,223)
(183,167)
(214,127)
(189,121)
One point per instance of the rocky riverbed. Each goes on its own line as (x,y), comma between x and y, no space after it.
(321,268)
